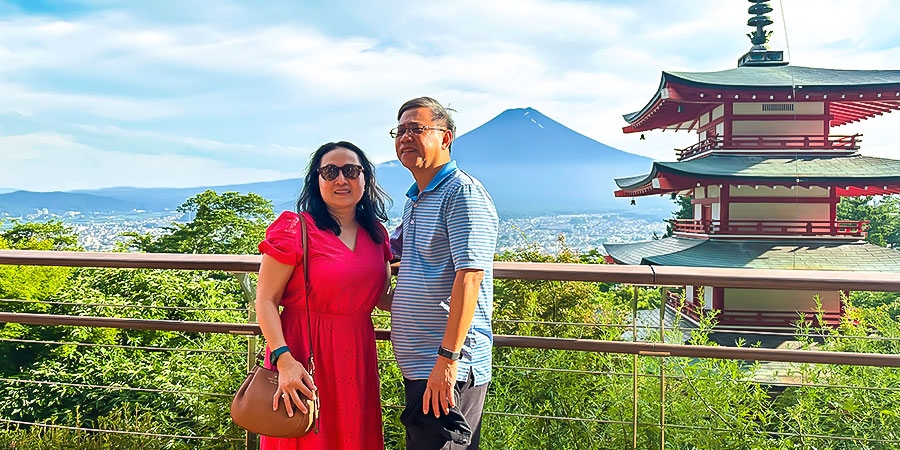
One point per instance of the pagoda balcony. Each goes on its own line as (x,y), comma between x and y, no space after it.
(772,228)
(756,144)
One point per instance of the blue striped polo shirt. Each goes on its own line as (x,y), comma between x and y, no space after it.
(449,226)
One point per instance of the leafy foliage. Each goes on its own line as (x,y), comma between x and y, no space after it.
(50,235)
(685,211)
(222,223)
(882,213)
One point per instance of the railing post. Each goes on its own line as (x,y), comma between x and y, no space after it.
(251,441)
(662,370)
(634,416)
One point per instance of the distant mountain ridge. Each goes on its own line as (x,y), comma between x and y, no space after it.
(531,165)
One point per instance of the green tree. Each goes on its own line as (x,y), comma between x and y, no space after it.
(50,235)
(221,223)
(882,213)
(685,211)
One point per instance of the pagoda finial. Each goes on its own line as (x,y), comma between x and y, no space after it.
(759,20)
(759,54)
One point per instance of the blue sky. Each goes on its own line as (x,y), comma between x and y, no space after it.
(102,93)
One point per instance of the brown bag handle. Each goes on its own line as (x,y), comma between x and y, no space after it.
(305,242)
(312,362)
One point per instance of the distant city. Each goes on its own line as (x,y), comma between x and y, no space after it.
(581,232)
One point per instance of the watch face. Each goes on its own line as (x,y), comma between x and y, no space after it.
(453,356)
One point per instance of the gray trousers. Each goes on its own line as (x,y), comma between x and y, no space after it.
(470,403)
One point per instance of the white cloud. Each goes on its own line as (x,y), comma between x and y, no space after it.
(36,161)
(271,149)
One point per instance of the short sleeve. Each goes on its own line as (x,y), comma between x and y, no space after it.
(472,226)
(396,239)
(281,240)
(386,245)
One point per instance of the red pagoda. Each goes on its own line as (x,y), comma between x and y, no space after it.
(765,178)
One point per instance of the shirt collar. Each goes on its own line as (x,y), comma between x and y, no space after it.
(449,168)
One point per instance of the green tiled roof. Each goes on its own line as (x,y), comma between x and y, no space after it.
(776,168)
(787,76)
(757,254)
(778,77)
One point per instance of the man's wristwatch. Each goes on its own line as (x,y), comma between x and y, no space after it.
(452,356)
(274,354)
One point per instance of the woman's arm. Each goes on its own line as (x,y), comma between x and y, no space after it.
(387,297)
(292,376)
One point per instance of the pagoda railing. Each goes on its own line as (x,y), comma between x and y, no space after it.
(755,318)
(780,142)
(791,228)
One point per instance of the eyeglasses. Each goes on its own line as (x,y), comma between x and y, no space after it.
(330,172)
(416,131)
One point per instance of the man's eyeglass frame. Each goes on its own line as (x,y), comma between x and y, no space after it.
(398,132)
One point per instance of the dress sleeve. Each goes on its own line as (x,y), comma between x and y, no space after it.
(386,245)
(281,240)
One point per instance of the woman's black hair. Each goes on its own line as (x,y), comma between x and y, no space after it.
(370,209)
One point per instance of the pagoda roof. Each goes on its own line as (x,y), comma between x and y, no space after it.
(787,77)
(756,254)
(838,170)
(682,96)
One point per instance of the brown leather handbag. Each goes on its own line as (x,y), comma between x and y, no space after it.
(251,408)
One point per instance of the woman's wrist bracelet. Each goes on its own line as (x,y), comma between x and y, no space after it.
(275,354)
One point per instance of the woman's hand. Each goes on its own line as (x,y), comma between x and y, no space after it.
(292,377)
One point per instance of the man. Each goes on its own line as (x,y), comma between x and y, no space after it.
(443,301)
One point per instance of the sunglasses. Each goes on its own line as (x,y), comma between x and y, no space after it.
(330,172)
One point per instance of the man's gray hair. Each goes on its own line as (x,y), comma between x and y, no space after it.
(438,113)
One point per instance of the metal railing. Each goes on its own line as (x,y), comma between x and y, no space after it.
(773,228)
(774,143)
(663,362)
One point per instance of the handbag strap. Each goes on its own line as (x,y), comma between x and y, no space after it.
(305,243)
(312,362)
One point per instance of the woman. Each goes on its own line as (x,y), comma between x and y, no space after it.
(349,275)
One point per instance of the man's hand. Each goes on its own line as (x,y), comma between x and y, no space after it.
(439,393)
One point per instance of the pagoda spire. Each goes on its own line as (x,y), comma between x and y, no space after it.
(759,54)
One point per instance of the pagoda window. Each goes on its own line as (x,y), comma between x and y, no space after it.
(718,111)
(771,300)
(776,128)
(704,119)
(785,109)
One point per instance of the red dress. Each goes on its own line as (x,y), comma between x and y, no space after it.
(345,286)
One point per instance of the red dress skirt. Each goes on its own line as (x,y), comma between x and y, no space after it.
(345,285)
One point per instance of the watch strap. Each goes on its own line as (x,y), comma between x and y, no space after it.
(275,354)
(452,356)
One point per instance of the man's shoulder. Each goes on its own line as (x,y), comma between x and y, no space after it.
(461,178)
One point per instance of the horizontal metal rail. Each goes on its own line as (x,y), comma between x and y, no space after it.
(106,430)
(546,343)
(115,388)
(610,273)
(122,305)
(126,347)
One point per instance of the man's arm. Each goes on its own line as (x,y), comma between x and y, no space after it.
(463,299)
